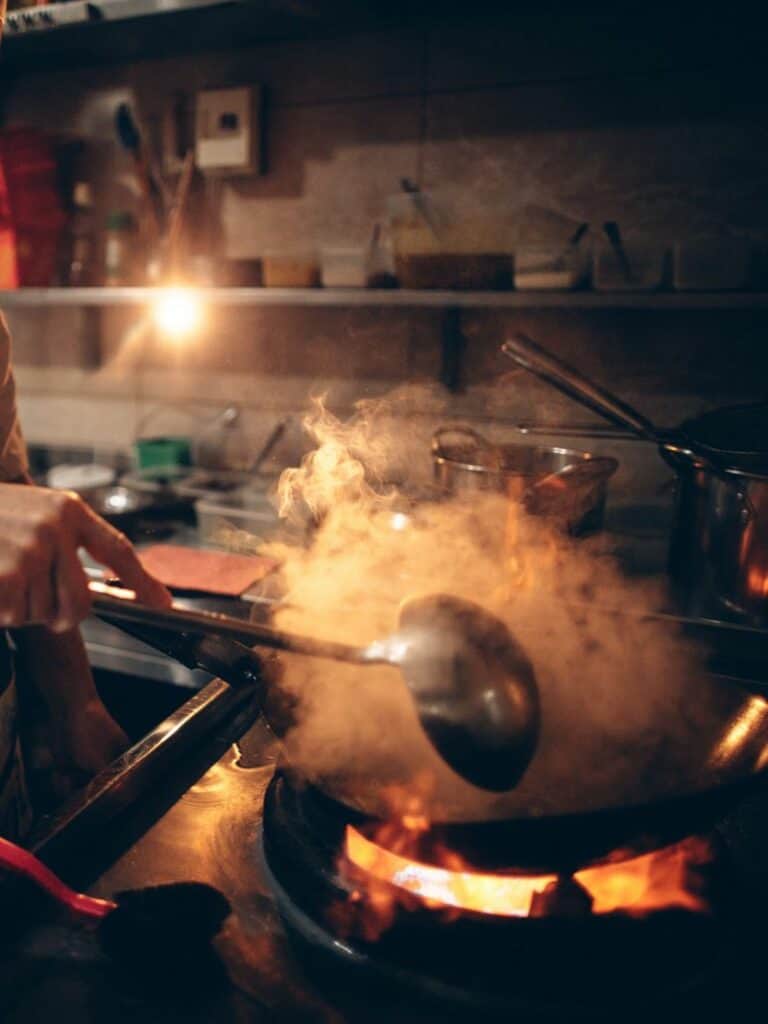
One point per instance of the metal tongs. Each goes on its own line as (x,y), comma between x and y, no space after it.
(472,684)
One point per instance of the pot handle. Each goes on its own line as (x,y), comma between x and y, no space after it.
(537,360)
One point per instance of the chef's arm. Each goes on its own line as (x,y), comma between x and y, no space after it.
(58,696)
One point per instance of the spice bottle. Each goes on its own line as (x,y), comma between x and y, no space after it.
(77,268)
(120,249)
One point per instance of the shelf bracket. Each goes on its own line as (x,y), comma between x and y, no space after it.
(92,334)
(453,343)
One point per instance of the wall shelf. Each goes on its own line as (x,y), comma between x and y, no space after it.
(31,298)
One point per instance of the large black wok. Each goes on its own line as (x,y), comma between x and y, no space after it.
(678,790)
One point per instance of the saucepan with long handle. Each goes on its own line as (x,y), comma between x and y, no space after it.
(530,355)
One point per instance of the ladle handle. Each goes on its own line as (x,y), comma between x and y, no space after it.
(119,603)
(531,356)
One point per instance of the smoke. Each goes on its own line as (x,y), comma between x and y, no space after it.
(627,714)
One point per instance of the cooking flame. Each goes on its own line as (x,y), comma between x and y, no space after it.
(660,880)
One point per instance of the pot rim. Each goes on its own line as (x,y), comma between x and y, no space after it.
(690,460)
(611,464)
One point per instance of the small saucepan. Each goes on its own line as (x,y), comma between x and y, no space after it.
(567,486)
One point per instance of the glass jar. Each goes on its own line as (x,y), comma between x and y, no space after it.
(120,249)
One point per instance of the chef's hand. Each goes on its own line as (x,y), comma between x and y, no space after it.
(41,578)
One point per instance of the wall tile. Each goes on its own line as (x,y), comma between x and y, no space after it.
(332,168)
(565,149)
(104,423)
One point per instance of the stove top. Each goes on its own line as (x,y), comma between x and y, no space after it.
(278,965)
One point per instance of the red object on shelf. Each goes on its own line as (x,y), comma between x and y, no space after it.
(37,215)
(9,277)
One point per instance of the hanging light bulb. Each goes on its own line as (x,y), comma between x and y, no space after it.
(177,312)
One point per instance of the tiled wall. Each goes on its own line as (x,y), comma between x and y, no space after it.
(589,120)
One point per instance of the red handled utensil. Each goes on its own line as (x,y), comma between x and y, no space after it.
(166,926)
(22,862)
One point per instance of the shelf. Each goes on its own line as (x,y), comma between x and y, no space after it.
(31,298)
(85,33)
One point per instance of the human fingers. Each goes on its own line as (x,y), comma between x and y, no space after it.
(41,598)
(113,549)
(73,600)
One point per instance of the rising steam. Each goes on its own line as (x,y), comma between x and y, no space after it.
(619,722)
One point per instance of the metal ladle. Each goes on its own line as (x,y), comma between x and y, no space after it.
(473,685)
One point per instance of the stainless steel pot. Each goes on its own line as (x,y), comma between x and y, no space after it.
(566,485)
(720,538)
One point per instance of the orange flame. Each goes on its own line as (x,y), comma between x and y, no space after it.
(655,881)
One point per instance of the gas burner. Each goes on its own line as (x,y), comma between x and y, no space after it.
(366,917)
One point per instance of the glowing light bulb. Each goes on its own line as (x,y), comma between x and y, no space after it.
(177,312)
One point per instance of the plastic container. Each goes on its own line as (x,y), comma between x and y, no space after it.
(246,510)
(439,246)
(551,268)
(78,262)
(712,264)
(120,249)
(643,271)
(162,452)
(343,267)
(290,269)
(80,477)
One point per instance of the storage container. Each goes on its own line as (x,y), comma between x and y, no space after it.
(343,267)
(290,268)
(642,270)
(438,246)
(247,510)
(551,268)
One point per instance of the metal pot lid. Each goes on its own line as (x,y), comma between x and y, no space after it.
(738,434)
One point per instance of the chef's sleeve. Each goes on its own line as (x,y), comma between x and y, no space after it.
(13,451)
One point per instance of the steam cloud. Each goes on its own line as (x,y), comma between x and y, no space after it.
(627,713)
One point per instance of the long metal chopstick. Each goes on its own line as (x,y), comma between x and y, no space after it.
(111,602)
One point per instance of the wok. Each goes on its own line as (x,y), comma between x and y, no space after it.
(683,784)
